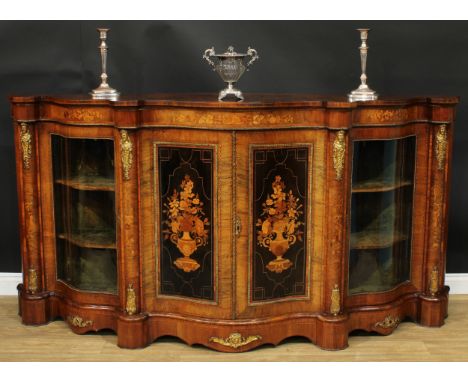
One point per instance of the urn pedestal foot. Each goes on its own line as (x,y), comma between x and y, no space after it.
(279,265)
(186,264)
(230,90)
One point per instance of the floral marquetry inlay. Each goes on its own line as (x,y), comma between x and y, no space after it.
(279,224)
(82,115)
(186,224)
(389,115)
(228,119)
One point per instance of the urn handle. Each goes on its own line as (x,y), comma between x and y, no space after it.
(209,53)
(253,54)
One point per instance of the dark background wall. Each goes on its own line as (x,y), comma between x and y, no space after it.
(406,58)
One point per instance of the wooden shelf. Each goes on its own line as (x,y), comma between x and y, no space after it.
(376,185)
(379,233)
(93,288)
(373,239)
(95,239)
(88,183)
(371,288)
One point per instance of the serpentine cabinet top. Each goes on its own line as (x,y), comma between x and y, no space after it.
(202,110)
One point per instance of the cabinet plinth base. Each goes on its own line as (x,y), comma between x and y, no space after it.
(33,308)
(327,331)
(132,331)
(434,308)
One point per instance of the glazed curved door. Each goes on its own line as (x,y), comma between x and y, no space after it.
(186,199)
(279,241)
(387,212)
(79,212)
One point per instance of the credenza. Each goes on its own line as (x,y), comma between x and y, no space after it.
(233,225)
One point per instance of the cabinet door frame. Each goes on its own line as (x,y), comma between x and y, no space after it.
(156,302)
(419,211)
(52,283)
(246,142)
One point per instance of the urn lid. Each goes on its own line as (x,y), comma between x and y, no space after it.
(230,52)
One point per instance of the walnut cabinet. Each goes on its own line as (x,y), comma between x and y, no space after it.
(233,225)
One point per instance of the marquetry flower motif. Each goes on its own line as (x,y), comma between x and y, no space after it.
(279,225)
(186,224)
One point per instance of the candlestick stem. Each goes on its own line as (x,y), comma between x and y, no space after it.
(363,92)
(104,91)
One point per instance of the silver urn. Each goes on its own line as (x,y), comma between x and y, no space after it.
(230,65)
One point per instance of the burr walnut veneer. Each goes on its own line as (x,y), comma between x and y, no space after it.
(233,225)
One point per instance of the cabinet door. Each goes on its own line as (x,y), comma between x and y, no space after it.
(186,209)
(280,218)
(79,212)
(387,213)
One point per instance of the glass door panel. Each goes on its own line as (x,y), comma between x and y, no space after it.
(381,214)
(84,205)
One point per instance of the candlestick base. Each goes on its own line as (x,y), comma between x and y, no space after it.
(104,91)
(363,93)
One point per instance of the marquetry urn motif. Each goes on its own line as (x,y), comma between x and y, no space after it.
(186,224)
(279,225)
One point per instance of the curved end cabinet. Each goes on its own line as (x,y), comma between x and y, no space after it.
(233,225)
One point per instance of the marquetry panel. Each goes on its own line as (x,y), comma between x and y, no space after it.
(95,115)
(280,192)
(185,194)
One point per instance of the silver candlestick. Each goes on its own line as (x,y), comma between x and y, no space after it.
(363,92)
(104,91)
